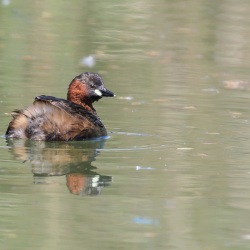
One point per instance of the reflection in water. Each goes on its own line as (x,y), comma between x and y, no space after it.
(72,159)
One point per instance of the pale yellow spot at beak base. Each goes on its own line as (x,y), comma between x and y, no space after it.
(98,92)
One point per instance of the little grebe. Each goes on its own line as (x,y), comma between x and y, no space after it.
(54,119)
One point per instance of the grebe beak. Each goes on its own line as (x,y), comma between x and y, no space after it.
(104,92)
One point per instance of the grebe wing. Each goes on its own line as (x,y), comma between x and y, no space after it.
(70,107)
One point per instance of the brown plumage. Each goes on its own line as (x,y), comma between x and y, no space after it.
(54,119)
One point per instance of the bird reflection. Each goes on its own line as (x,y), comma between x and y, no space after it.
(72,159)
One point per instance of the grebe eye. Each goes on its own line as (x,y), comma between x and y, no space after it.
(92,85)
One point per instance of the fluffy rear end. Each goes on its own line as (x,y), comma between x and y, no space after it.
(17,126)
(47,122)
(41,121)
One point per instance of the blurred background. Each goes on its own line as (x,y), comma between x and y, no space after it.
(174,172)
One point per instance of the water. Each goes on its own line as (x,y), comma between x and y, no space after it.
(174,172)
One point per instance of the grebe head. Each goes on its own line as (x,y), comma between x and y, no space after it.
(87,88)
